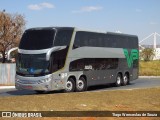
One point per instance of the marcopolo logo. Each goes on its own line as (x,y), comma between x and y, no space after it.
(130,58)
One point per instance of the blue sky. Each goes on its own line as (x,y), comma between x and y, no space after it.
(139,17)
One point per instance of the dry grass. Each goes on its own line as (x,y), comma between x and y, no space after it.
(150,68)
(130,100)
(121,100)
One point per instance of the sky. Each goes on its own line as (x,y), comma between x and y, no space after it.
(138,17)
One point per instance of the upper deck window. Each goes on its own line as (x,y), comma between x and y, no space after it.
(37,39)
(92,39)
(63,37)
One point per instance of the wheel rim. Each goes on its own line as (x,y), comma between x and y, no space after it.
(118,80)
(125,79)
(69,86)
(80,84)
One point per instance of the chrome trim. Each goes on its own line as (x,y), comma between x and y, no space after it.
(33,51)
(47,51)
(38,51)
(33,78)
(52,50)
(27,81)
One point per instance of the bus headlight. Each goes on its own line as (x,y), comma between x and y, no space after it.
(63,75)
(45,80)
(16,80)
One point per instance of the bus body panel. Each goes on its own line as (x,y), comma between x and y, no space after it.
(96,52)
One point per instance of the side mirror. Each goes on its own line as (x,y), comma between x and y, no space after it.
(9,52)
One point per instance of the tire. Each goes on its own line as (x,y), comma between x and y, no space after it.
(81,84)
(70,85)
(125,80)
(118,80)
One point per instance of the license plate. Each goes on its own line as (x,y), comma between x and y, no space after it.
(27,87)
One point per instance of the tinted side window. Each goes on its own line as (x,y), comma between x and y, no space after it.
(63,38)
(104,40)
(134,42)
(128,42)
(108,41)
(78,40)
(89,39)
(121,41)
(57,60)
(93,64)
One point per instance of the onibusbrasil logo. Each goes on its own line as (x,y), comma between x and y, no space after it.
(131,57)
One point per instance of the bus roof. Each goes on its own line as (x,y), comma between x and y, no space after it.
(122,34)
(49,28)
(109,33)
(85,30)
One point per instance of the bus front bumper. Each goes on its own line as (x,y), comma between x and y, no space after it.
(39,85)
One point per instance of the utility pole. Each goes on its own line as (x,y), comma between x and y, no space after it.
(154,35)
(154,40)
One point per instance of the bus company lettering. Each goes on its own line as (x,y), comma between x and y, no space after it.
(130,58)
(88,67)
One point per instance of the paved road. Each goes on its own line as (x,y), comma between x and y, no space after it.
(137,84)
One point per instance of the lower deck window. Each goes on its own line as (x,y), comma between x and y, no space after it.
(93,64)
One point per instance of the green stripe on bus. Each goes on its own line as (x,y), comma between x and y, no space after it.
(130,58)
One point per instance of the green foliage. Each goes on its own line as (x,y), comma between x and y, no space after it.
(147,54)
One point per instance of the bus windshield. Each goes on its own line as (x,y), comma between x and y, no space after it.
(37,39)
(32,64)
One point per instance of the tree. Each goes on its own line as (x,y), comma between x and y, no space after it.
(147,54)
(11,28)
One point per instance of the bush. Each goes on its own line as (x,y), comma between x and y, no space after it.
(147,54)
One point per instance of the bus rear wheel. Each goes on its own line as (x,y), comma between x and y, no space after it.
(70,85)
(81,84)
(125,80)
(118,80)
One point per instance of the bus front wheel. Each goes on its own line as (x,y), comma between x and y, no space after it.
(81,84)
(70,85)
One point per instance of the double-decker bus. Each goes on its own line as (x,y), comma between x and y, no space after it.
(70,59)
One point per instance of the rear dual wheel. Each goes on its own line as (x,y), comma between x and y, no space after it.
(125,80)
(118,80)
(122,80)
(81,85)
